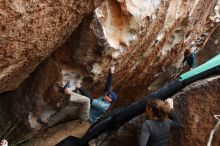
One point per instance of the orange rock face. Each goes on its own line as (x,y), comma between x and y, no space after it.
(38,92)
(145,49)
(162,43)
(31,31)
(79,39)
(197,105)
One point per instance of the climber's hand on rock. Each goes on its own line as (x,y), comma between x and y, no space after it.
(170,102)
(4,143)
(68,91)
(45,119)
(182,65)
(77,85)
(112,69)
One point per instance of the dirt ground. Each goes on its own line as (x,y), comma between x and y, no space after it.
(53,135)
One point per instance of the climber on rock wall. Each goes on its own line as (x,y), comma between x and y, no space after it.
(156,129)
(78,106)
(190,58)
(84,112)
(101,104)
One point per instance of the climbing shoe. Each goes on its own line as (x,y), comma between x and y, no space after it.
(45,124)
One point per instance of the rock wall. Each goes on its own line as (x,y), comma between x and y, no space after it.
(39,92)
(31,31)
(196,106)
(146,45)
(146,41)
(140,42)
(86,52)
(162,43)
(211,48)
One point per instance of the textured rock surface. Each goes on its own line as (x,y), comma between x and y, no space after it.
(162,43)
(196,104)
(211,48)
(35,94)
(54,135)
(163,32)
(147,42)
(31,31)
(86,52)
(145,48)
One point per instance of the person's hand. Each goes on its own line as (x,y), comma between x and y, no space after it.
(4,143)
(68,91)
(45,119)
(77,84)
(112,69)
(193,49)
(170,102)
(182,65)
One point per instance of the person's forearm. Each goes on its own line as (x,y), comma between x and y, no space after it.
(174,117)
(67,85)
(144,135)
(85,93)
(108,82)
(184,60)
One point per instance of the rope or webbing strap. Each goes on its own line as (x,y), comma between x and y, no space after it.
(213,130)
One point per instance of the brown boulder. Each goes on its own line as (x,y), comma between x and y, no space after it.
(38,92)
(31,31)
